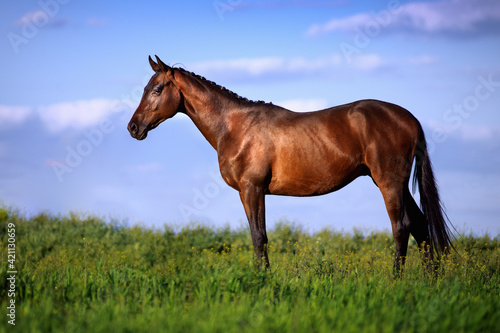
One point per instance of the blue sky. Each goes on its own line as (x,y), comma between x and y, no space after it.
(72,73)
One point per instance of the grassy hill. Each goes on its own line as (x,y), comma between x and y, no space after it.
(80,274)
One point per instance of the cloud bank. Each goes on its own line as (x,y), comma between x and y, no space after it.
(459,18)
(282,68)
(78,114)
(61,116)
(290,4)
(11,115)
(304,105)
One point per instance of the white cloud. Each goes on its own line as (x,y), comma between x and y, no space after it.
(446,16)
(303,105)
(367,62)
(479,133)
(97,22)
(344,24)
(311,65)
(40,18)
(12,115)
(261,66)
(251,66)
(144,168)
(449,15)
(424,60)
(243,68)
(465,132)
(78,114)
(289,4)
(60,116)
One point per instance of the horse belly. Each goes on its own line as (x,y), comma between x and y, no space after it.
(310,177)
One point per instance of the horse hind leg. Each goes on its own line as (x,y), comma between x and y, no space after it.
(394,203)
(419,228)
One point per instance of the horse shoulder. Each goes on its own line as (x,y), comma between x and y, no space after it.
(245,152)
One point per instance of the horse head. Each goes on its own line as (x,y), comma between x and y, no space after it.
(161,100)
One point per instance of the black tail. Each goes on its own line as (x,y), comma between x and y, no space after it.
(440,236)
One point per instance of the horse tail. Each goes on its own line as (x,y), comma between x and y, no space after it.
(430,203)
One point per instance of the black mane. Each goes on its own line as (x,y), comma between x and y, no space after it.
(221,88)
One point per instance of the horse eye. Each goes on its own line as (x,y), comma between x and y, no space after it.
(158,90)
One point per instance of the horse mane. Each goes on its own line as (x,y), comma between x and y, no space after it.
(219,87)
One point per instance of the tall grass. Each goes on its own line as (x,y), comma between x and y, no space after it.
(80,274)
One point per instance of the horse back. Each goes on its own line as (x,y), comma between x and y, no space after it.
(309,153)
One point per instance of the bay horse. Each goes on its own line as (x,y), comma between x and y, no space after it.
(266,149)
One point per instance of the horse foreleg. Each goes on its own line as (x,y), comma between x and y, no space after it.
(253,200)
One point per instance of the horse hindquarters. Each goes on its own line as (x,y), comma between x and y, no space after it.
(428,225)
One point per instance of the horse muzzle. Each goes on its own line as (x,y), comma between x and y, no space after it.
(137,132)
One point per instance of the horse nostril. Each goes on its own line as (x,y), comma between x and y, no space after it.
(132,128)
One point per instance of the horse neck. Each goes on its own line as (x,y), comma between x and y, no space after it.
(206,106)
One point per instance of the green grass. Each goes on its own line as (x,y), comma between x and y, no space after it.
(80,274)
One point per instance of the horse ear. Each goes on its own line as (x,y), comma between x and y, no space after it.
(163,67)
(153,64)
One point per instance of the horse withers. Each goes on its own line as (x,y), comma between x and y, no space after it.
(266,149)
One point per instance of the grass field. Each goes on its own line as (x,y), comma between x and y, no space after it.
(80,274)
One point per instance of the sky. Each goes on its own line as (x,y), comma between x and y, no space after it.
(72,73)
